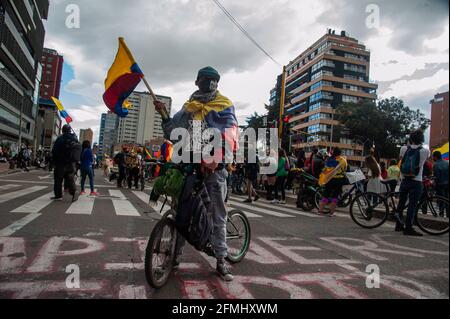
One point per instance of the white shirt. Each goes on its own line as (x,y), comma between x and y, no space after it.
(424,154)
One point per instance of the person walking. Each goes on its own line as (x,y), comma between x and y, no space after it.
(120,161)
(65,153)
(282,174)
(413,158)
(251,172)
(86,169)
(440,171)
(336,165)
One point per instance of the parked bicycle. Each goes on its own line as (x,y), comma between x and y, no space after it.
(370,210)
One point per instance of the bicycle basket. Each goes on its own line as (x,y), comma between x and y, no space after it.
(356,176)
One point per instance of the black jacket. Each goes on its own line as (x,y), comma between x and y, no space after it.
(58,153)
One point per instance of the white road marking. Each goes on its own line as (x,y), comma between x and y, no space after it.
(132,292)
(248,214)
(8,187)
(259,210)
(36,205)
(122,206)
(13,195)
(45,177)
(83,206)
(14,227)
(284,208)
(159,205)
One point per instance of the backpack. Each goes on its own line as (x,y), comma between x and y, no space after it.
(71,151)
(194,220)
(411,163)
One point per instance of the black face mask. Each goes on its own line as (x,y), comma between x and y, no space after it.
(208,85)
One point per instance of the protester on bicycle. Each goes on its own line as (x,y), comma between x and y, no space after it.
(413,158)
(337,164)
(212,110)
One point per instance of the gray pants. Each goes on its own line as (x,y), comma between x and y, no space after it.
(216,185)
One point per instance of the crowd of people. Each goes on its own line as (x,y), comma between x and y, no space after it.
(382,176)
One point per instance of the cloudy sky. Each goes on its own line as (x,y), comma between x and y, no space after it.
(172,39)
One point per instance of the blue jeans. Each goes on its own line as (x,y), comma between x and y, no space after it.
(216,185)
(87,171)
(412,190)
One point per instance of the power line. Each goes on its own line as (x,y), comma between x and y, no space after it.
(241,28)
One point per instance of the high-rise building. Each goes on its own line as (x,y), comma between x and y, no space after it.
(108,134)
(87,135)
(143,123)
(48,124)
(439,120)
(332,71)
(52,67)
(21,43)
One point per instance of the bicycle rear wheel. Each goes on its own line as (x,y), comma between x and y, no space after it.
(432,215)
(369,210)
(238,236)
(160,252)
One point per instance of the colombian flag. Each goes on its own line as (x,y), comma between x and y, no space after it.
(61,110)
(167,151)
(444,151)
(123,77)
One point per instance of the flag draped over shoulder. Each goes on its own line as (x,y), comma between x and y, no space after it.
(61,110)
(123,77)
(444,151)
(219,114)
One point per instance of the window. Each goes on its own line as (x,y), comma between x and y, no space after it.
(349,99)
(350,87)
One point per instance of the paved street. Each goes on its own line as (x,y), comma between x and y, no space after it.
(293,254)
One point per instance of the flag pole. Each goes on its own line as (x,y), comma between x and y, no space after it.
(165,116)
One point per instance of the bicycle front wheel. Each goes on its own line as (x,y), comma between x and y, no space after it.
(160,253)
(238,236)
(432,215)
(369,210)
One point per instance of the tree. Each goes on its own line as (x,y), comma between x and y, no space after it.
(386,123)
(255,121)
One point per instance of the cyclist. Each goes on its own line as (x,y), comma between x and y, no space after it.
(214,111)
(413,159)
(337,165)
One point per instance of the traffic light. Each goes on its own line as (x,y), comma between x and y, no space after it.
(287,119)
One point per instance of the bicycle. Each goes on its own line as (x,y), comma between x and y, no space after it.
(162,244)
(370,210)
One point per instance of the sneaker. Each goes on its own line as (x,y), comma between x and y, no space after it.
(412,232)
(249,201)
(56,199)
(256,198)
(223,271)
(82,193)
(95,194)
(275,201)
(283,202)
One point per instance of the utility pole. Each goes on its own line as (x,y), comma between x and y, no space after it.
(282,102)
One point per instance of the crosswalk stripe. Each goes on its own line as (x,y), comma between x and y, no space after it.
(83,206)
(259,210)
(36,205)
(159,205)
(8,187)
(14,227)
(122,206)
(248,214)
(285,209)
(13,195)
